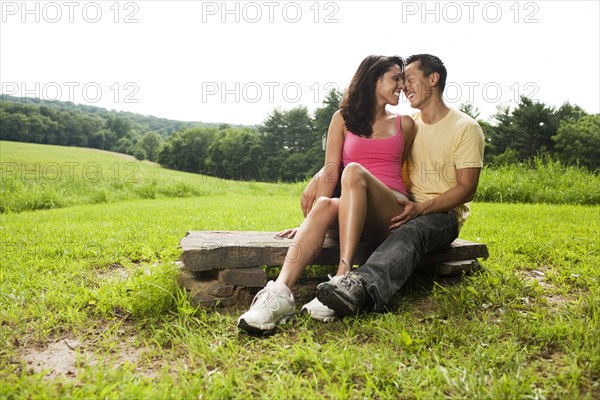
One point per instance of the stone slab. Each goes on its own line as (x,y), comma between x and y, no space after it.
(210,250)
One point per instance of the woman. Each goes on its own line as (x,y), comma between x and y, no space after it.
(370,142)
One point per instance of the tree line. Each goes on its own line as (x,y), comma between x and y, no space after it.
(568,134)
(288,145)
(67,124)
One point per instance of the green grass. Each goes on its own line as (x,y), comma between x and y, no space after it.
(542,180)
(39,177)
(102,277)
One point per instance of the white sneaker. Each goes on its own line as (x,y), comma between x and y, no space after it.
(269,307)
(319,311)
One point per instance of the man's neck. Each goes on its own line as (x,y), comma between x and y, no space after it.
(434,110)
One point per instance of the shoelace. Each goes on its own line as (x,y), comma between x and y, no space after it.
(264,296)
(340,277)
(345,281)
(348,281)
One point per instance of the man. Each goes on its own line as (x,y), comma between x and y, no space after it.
(444,167)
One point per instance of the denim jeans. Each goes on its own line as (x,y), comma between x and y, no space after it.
(394,260)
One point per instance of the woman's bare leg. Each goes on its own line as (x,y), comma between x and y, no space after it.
(366,204)
(309,239)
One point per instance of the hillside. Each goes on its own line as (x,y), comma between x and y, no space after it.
(36,176)
(163,126)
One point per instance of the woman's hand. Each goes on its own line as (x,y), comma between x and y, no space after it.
(309,195)
(287,234)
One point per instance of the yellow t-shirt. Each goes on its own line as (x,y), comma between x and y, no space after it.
(454,142)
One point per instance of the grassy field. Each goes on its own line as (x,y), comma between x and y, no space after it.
(90,308)
(40,177)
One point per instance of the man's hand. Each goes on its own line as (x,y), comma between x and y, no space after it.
(411,211)
(309,195)
(463,192)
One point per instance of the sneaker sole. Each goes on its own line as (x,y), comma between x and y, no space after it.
(317,316)
(331,299)
(261,328)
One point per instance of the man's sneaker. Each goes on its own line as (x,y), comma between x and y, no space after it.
(345,294)
(318,311)
(269,307)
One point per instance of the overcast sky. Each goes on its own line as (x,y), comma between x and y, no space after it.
(236,61)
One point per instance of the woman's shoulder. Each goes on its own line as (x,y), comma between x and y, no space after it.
(338,119)
(408,127)
(337,116)
(407,121)
(337,125)
(408,124)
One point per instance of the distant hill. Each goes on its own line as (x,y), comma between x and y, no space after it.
(163,126)
(32,120)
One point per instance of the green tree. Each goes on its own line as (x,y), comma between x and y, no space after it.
(236,154)
(296,168)
(322,119)
(526,130)
(490,151)
(469,109)
(578,142)
(99,138)
(535,124)
(570,112)
(283,134)
(150,142)
(119,125)
(36,129)
(14,127)
(140,153)
(290,131)
(187,150)
(301,133)
(273,131)
(124,145)
(323,114)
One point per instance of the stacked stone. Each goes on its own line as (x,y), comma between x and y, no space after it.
(223,268)
(221,287)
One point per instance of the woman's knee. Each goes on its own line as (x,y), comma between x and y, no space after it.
(325,204)
(354,176)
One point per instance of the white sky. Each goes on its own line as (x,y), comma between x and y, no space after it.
(235,61)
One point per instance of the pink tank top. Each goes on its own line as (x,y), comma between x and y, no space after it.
(382,157)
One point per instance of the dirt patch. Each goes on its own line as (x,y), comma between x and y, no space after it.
(66,357)
(540,275)
(114,272)
(58,358)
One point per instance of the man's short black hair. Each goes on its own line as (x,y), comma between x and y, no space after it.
(430,64)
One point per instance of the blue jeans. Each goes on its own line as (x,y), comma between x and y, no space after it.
(394,260)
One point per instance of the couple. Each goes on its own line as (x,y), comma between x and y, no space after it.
(444,148)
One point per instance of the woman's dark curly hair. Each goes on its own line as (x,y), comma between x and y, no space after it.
(358,102)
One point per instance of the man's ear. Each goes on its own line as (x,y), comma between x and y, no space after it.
(434,78)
